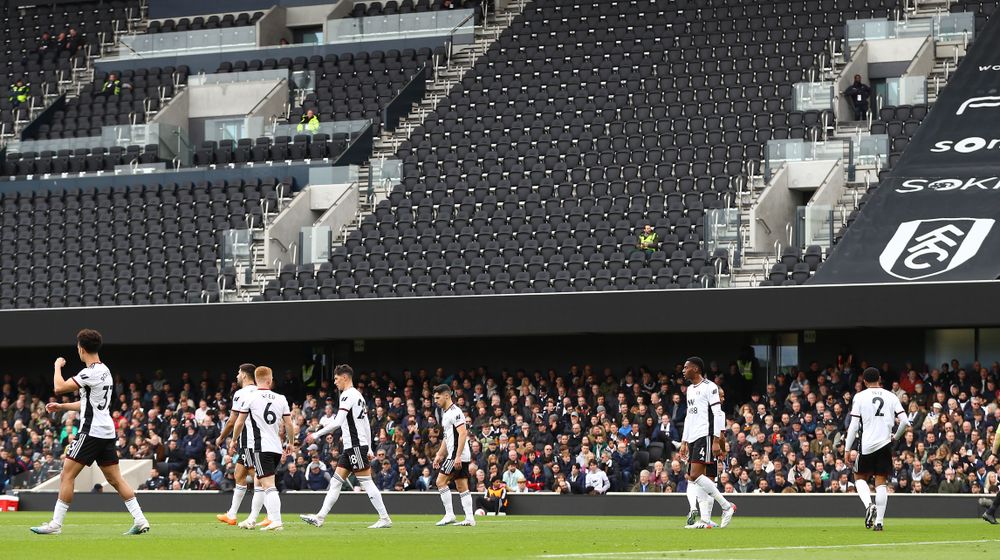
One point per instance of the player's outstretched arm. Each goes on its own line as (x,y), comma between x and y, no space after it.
(60,384)
(62,407)
(338,421)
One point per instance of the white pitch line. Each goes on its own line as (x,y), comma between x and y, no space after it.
(762,548)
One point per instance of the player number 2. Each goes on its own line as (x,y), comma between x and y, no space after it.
(269,416)
(881,403)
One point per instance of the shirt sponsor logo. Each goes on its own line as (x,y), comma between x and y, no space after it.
(924,248)
(944,185)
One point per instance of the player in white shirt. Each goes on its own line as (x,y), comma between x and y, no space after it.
(267,412)
(453,457)
(356,434)
(874,411)
(238,449)
(703,425)
(96,438)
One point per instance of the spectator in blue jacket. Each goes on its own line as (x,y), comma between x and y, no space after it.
(193,444)
(317,478)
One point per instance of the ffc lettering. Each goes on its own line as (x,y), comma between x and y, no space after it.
(923,248)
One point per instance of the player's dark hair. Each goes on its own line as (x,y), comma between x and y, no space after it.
(872,375)
(344,369)
(698,362)
(90,340)
(442,388)
(248,369)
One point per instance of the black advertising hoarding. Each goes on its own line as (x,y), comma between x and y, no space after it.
(936,217)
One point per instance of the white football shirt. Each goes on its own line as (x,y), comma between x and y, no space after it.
(877,409)
(240,398)
(266,410)
(96,388)
(450,420)
(355,430)
(700,420)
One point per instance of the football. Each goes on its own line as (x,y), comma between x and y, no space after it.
(480,512)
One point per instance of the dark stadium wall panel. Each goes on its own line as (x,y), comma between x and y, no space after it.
(780,309)
(671,506)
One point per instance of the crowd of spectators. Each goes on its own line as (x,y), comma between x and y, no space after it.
(581,430)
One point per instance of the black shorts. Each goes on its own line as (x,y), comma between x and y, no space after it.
(355,459)
(265,463)
(879,462)
(459,471)
(245,458)
(88,449)
(700,451)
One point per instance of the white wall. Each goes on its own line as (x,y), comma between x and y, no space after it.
(213,100)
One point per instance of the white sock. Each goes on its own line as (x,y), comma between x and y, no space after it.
(881,501)
(60,512)
(135,510)
(273,504)
(234,507)
(256,503)
(374,495)
(466,499)
(449,511)
(864,492)
(705,505)
(692,495)
(709,487)
(332,495)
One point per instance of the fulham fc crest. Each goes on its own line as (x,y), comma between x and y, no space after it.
(924,248)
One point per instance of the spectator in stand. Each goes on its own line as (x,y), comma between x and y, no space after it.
(645,484)
(597,480)
(512,475)
(46,44)
(71,42)
(293,478)
(536,481)
(317,478)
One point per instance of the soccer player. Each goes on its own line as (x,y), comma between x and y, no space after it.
(268,412)
(874,411)
(97,436)
(453,458)
(238,449)
(702,425)
(356,433)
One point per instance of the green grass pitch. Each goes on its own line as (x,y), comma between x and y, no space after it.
(183,536)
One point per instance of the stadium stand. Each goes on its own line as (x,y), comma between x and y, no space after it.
(795,427)
(45,65)
(197,23)
(141,244)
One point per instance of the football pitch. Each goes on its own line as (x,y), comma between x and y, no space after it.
(182,535)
